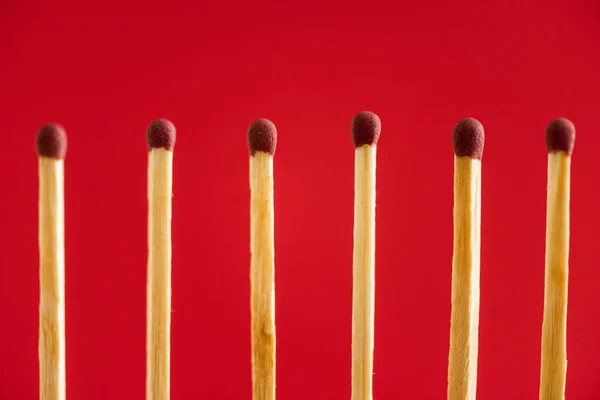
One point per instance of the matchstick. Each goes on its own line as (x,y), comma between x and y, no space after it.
(51,146)
(161,140)
(560,138)
(467,139)
(366,128)
(262,140)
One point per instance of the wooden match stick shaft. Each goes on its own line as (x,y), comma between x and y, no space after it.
(158,339)
(554,327)
(52,279)
(366,128)
(262,276)
(462,369)
(363,296)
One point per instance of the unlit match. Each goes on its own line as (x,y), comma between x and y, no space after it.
(262,141)
(366,128)
(467,139)
(560,138)
(161,141)
(51,146)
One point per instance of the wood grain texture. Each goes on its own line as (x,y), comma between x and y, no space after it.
(158,312)
(52,280)
(464,323)
(363,271)
(554,326)
(262,276)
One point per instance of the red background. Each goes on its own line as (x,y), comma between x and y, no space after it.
(106,70)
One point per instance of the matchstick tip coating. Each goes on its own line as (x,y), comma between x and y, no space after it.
(366,128)
(161,134)
(262,136)
(51,141)
(468,138)
(560,136)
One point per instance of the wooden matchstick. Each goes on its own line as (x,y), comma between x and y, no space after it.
(51,146)
(560,138)
(366,128)
(467,140)
(262,140)
(161,140)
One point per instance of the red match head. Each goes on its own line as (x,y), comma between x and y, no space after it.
(161,135)
(51,141)
(366,128)
(468,138)
(560,136)
(262,136)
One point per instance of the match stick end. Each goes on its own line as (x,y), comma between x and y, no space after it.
(560,136)
(262,136)
(468,138)
(51,141)
(366,128)
(161,134)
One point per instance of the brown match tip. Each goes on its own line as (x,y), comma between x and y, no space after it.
(161,134)
(262,136)
(560,136)
(468,138)
(51,141)
(366,128)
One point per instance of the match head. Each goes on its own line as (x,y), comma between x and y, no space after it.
(366,128)
(560,136)
(262,136)
(161,134)
(468,138)
(51,141)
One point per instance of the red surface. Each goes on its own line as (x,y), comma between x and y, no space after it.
(105,70)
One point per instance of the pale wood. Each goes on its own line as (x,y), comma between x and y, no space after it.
(554,328)
(158,312)
(262,276)
(363,292)
(464,324)
(52,279)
